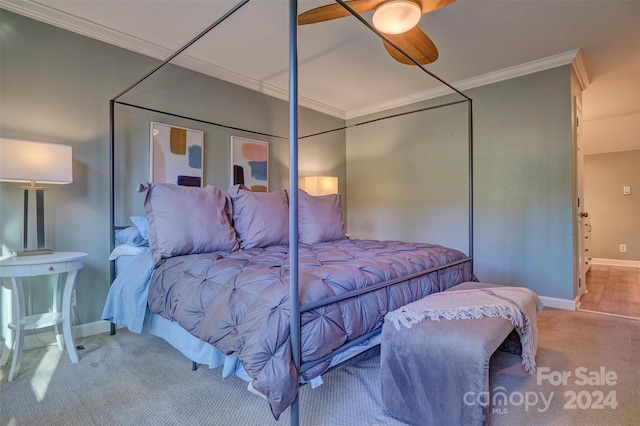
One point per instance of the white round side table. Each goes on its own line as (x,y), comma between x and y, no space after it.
(12,270)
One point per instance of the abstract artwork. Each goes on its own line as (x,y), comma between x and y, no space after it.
(250,163)
(176,155)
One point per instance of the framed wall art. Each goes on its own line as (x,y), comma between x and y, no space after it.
(250,163)
(176,155)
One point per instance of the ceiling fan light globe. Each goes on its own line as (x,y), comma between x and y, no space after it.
(396,16)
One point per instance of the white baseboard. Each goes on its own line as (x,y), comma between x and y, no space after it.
(609,314)
(47,338)
(615,262)
(554,302)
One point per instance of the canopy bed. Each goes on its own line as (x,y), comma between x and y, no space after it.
(278,310)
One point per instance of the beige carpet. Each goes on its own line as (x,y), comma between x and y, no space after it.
(140,380)
(578,345)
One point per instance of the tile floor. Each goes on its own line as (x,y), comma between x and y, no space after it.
(613,290)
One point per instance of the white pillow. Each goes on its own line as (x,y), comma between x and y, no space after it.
(127,250)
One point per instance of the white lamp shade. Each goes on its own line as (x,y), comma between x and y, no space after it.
(321,185)
(25,161)
(396,16)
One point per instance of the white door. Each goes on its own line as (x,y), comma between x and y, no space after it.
(583,223)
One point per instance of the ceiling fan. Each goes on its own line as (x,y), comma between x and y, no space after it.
(397,19)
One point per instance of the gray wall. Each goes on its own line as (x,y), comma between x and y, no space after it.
(615,217)
(408,176)
(55,86)
(523,184)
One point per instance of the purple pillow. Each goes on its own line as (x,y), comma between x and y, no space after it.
(260,219)
(186,220)
(319,218)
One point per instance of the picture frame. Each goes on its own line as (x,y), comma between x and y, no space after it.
(176,155)
(250,163)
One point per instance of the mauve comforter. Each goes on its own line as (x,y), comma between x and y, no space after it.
(239,302)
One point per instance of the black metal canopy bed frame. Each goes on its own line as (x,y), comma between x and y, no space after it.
(296,308)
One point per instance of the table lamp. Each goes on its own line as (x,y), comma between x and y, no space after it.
(35,163)
(321,185)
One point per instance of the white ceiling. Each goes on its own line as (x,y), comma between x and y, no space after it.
(344,69)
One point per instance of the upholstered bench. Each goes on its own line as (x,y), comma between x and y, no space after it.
(428,370)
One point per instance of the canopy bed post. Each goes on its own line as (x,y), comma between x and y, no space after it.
(112,265)
(470,131)
(294,325)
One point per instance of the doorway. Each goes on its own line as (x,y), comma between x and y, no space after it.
(606,288)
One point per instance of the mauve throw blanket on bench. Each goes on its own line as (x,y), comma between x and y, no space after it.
(239,301)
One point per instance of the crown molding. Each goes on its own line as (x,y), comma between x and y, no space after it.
(581,70)
(482,80)
(77,25)
(72,23)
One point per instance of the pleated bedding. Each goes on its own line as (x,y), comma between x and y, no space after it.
(239,301)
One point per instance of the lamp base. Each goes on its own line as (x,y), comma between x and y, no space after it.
(40,246)
(33,252)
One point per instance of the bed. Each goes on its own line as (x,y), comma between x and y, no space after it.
(228,285)
(278,305)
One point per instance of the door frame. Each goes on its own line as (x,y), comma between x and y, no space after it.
(581,213)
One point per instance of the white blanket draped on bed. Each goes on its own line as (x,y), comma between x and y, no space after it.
(518,305)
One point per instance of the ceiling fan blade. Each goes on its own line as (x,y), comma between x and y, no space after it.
(416,43)
(335,11)
(431,5)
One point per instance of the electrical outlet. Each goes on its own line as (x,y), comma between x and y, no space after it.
(73,295)
(623,248)
(626,190)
